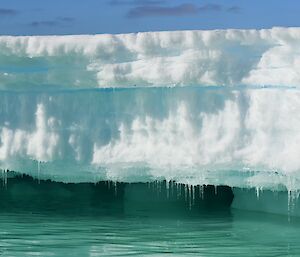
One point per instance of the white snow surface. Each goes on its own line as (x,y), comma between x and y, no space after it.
(178,58)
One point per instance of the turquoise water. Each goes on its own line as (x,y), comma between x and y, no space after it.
(44,218)
(233,234)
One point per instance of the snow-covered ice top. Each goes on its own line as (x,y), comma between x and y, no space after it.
(179,58)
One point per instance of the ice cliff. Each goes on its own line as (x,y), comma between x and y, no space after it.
(198,107)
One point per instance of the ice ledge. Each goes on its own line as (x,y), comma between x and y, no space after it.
(178,58)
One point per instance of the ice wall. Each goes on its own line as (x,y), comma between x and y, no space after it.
(238,137)
(180,58)
(197,107)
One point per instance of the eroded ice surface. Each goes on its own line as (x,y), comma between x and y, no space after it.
(237,137)
(180,58)
(197,107)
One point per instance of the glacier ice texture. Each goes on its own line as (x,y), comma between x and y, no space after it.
(196,107)
(191,135)
(179,58)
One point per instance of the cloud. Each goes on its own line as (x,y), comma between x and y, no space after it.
(44,23)
(137,2)
(151,8)
(66,19)
(52,23)
(234,9)
(210,7)
(180,10)
(8,12)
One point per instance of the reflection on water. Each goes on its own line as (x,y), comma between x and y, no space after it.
(53,219)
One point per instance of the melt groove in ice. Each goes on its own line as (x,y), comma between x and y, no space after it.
(239,137)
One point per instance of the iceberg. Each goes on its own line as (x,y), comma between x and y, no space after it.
(195,107)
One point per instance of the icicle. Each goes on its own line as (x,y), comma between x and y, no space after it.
(115,187)
(95,180)
(201,192)
(159,189)
(39,170)
(4,177)
(2,173)
(185,192)
(257,189)
(193,194)
(293,195)
(190,197)
(177,188)
(216,190)
(290,205)
(167,188)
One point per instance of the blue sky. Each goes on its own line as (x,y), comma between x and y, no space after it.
(40,17)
